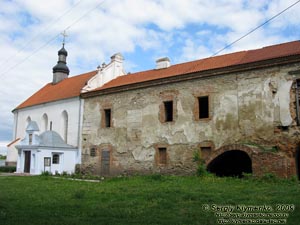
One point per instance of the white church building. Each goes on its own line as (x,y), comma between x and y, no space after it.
(56,107)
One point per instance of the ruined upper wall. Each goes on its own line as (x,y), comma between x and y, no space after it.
(245,107)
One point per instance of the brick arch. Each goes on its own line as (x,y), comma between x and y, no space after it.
(250,151)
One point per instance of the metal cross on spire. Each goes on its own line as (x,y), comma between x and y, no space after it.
(64,34)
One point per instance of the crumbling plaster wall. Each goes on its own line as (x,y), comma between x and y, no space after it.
(245,108)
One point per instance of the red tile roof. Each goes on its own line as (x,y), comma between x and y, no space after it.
(217,62)
(68,88)
(71,87)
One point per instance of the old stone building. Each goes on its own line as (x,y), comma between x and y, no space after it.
(240,111)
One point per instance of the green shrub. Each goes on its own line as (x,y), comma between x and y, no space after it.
(64,173)
(196,157)
(8,169)
(293,179)
(78,169)
(46,173)
(201,170)
(269,177)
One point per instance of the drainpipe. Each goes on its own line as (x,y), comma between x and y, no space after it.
(16,116)
(81,104)
(297,102)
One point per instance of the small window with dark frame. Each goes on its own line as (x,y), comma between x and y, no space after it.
(30,139)
(203,106)
(162,156)
(168,107)
(107,117)
(55,159)
(93,152)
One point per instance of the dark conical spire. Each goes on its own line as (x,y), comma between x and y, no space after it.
(61,70)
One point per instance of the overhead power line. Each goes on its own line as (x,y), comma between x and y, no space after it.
(98,5)
(51,39)
(256,28)
(84,15)
(39,33)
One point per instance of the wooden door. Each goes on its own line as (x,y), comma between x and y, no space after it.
(105,162)
(27,158)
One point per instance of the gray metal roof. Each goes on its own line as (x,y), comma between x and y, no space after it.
(52,139)
(63,51)
(61,67)
(32,126)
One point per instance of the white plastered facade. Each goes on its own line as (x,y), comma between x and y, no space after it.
(56,112)
(45,152)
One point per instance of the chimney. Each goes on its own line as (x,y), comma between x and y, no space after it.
(117,58)
(163,63)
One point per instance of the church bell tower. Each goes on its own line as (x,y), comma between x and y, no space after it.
(61,70)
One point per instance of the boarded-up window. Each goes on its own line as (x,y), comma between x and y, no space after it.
(205,152)
(105,162)
(168,107)
(93,152)
(107,115)
(162,156)
(203,106)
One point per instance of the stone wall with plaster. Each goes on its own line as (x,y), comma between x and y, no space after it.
(254,108)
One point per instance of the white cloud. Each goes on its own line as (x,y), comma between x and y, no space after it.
(182,30)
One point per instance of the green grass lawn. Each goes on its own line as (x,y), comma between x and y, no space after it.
(136,200)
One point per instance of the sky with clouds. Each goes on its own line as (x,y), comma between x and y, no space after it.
(142,30)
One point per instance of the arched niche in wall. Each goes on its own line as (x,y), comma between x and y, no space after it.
(65,124)
(44,122)
(28,120)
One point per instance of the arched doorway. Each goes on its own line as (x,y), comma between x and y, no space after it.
(231,164)
(298,162)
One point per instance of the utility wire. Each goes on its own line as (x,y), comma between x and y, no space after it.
(256,28)
(84,15)
(50,40)
(101,2)
(39,33)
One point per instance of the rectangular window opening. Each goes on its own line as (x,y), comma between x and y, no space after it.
(168,111)
(206,149)
(93,152)
(162,154)
(55,159)
(203,104)
(107,113)
(205,152)
(30,139)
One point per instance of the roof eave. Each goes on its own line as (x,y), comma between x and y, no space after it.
(196,75)
(42,103)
